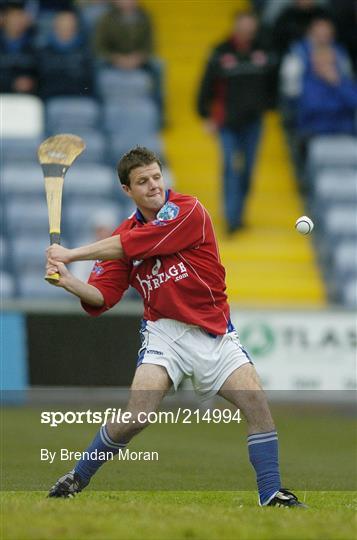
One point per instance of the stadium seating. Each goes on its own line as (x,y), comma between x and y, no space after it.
(131,119)
(332,151)
(349,293)
(28,252)
(345,258)
(24,150)
(22,116)
(119,144)
(332,170)
(96,146)
(7,285)
(340,221)
(25,179)
(336,185)
(24,215)
(126,117)
(33,285)
(71,114)
(91,180)
(79,214)
(115,85)
(22,127)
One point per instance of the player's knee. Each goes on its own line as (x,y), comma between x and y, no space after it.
(124,432)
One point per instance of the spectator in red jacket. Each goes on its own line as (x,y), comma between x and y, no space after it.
(234,93)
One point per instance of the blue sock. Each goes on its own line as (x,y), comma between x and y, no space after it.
(86,467)
(263,455)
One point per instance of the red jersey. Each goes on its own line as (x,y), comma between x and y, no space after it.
(173,262)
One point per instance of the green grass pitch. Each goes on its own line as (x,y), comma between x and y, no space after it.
(176,516)
(201,488)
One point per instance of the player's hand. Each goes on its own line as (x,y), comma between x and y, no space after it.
(58,268)
(57,253)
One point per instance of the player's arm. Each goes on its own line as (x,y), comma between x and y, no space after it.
(159,237)
(105,250)
(84,291)
(106,284)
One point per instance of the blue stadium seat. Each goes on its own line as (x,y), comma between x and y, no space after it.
(345,258)
(118,144)
(28,252)
(336,185)
(24,179)
(89,180)
(71,114)
(349,293)
(20,149)
(79,215)
(119,85)
(26,215)
(32,285)
(96,147)
(7,285)
(332,151)
(340,221)
(139,118)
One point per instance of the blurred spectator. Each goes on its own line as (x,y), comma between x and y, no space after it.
(233,95)
(124,35)
(328,101)
(65,64)
(345,15)
(317,66)
(103,225)
(124,40)
(17,55)
(293,22)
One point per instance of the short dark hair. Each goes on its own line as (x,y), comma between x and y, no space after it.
(136,157)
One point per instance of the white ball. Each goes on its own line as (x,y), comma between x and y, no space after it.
(304,225)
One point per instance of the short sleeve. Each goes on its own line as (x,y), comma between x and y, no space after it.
(111,278)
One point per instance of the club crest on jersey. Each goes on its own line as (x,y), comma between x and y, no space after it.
(97,269)
(168,211)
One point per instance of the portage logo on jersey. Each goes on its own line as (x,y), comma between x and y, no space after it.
(156,278)
(168,212)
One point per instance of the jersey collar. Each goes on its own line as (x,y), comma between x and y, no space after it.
(138,215)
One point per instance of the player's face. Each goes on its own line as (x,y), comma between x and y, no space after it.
(147,189)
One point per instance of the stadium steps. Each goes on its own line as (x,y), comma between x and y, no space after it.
(268,263)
